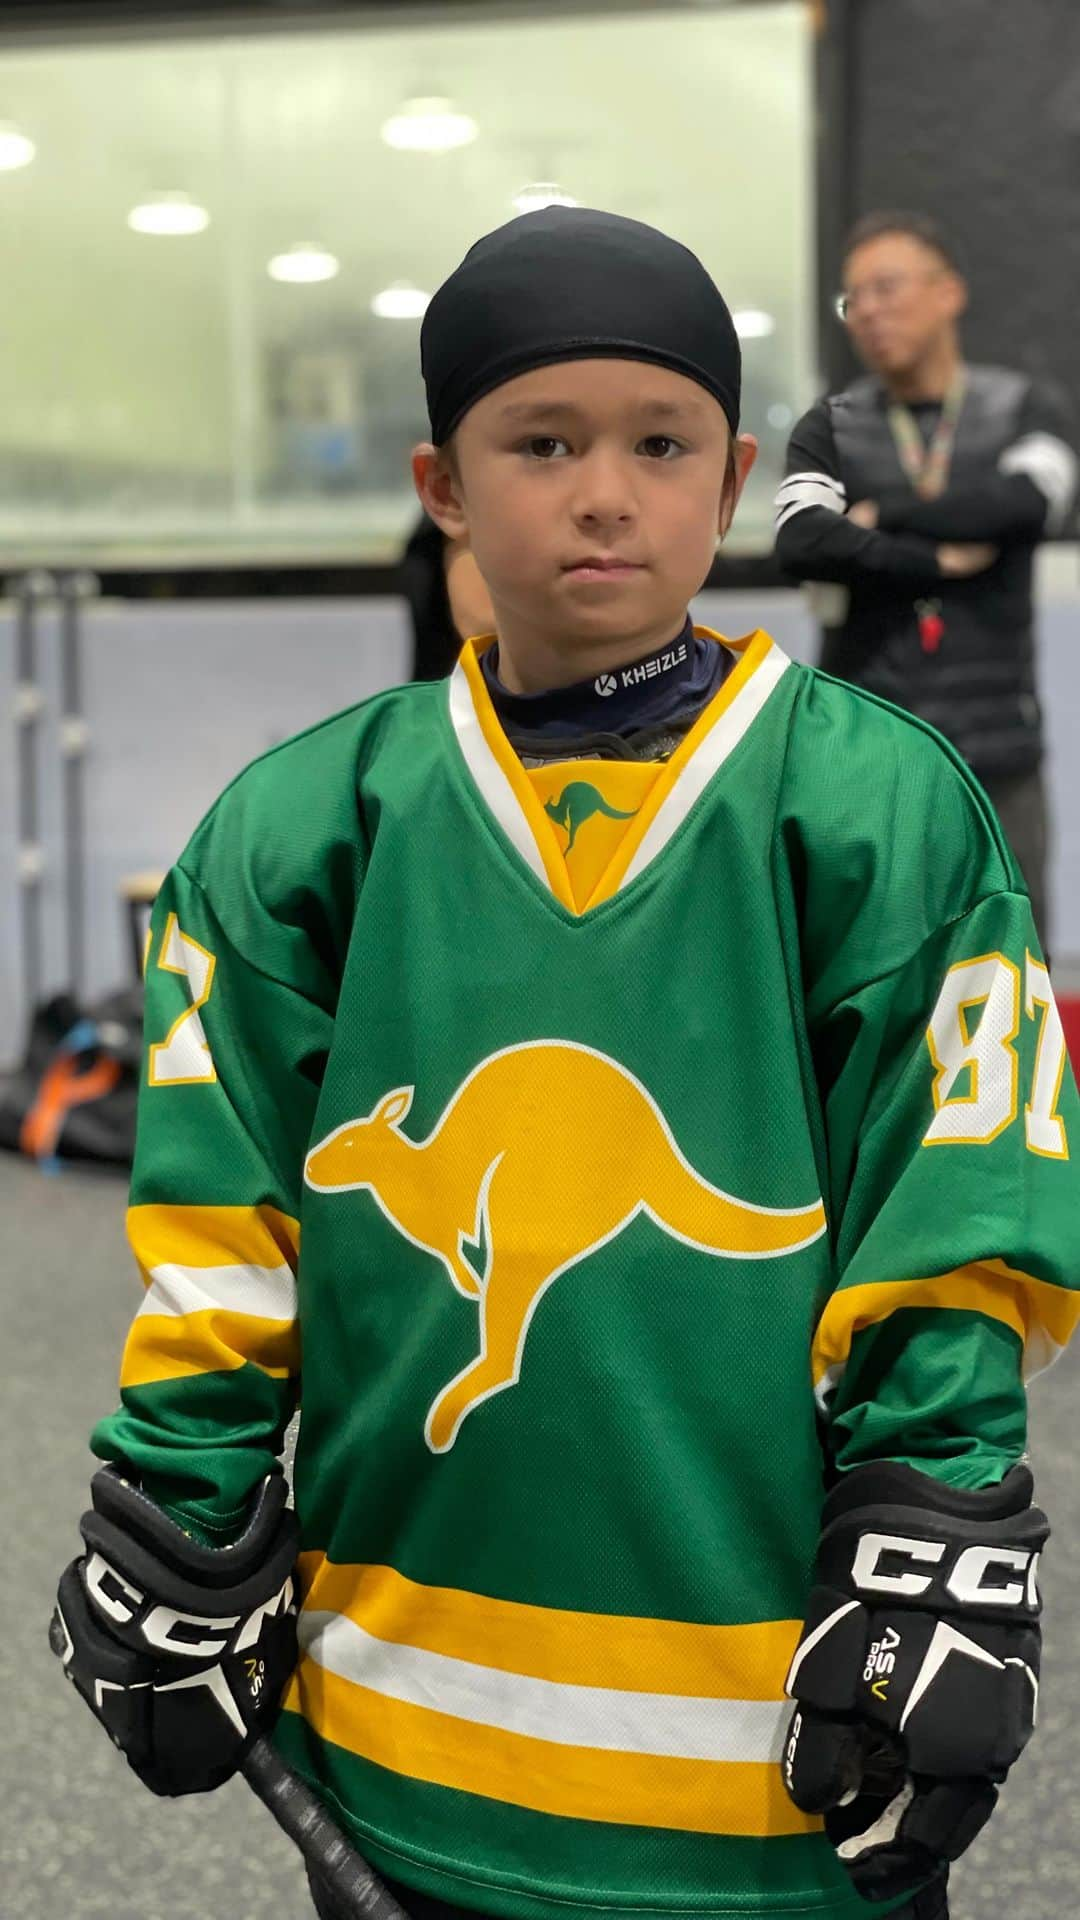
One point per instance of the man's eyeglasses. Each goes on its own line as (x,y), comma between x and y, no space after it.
(885,290)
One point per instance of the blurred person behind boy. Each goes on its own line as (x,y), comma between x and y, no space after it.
(922,490)
(448,601)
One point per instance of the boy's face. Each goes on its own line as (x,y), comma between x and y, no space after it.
(610,458)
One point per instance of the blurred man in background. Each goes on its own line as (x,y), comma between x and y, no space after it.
(447,597)
(922,491)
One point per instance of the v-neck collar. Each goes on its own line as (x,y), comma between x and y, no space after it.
(508,794)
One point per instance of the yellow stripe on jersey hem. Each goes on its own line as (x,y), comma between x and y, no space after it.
(613,1651)
(583,1783)
(173,1347)
(1042,1316)
(192,1236)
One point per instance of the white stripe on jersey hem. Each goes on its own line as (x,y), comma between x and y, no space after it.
(494,786)
(267,1293)
(614,1721)
(718,744)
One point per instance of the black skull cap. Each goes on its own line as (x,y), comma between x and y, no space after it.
(573,283)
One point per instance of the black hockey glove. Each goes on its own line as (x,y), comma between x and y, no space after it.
(917,1674)
(182,1651)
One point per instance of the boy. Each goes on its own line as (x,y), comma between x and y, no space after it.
(640,1028)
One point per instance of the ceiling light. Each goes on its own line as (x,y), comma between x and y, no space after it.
(170,215)
(542,193)
(16,150)
(751,324)
(304,265)
(400,302)
(429,125)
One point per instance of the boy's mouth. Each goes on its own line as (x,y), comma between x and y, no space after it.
(602,567)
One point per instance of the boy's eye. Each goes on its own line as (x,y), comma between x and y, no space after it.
(539,447)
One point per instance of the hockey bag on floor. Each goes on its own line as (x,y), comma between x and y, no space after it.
(74,1095)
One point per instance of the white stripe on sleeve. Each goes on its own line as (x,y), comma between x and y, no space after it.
(802,490)
(1051,465)
(267,1292)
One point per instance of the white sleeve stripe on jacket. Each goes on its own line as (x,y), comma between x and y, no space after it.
(1051,465)
(802,490)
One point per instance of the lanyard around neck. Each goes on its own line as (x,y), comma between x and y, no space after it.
(927,466)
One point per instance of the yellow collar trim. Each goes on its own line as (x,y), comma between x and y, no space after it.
(539,825)
(495,766)
(751,651)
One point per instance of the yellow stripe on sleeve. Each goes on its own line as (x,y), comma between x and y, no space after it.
(212,1236)
(167,1348)
(221,1293)
(1042,1316)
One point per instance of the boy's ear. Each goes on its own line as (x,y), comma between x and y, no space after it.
(438,489)
(744,451)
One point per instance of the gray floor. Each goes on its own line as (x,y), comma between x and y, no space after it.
(80,1838)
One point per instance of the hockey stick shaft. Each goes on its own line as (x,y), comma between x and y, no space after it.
(343,1872)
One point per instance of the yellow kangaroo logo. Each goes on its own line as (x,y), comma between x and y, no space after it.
(527,1137)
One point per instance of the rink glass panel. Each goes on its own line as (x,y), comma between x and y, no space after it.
(164,399)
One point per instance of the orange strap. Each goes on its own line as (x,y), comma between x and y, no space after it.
(62,1088)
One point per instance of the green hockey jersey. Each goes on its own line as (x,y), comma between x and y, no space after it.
(594,1204)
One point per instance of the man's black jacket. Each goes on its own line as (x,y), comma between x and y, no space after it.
(1011,481)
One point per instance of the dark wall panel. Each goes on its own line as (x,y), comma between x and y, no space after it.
(970,110)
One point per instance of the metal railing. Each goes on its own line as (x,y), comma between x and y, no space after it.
(35,595)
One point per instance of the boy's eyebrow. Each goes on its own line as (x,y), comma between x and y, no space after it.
(519,410)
